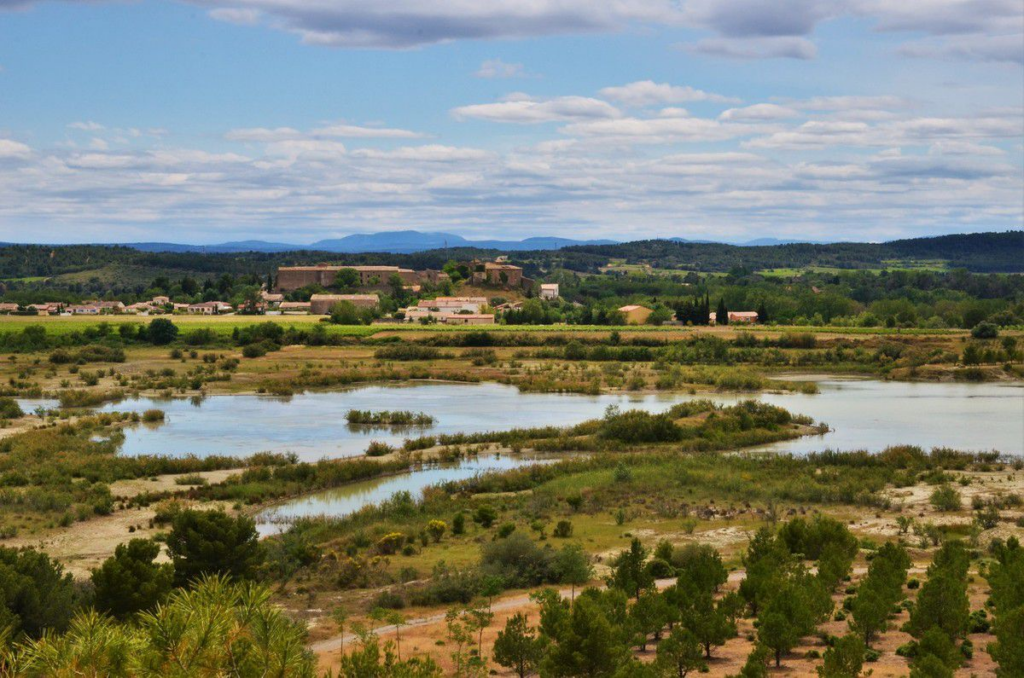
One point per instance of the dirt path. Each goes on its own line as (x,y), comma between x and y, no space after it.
(516,603)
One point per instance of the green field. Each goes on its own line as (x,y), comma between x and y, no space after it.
(225,325)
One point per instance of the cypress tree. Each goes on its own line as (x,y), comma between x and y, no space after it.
(722,314)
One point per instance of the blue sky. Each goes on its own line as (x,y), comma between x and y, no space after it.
(295,120)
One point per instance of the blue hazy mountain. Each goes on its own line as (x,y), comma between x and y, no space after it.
(408,242)
(397,242)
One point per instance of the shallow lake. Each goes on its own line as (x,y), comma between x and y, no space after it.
(871,415)
(345,500)
(313,425)
(863,414)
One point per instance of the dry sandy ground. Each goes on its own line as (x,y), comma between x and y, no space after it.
(424,629)
(419,637)
(83,546)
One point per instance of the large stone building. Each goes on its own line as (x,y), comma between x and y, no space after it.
(294,277)
(321,304)
(496,273)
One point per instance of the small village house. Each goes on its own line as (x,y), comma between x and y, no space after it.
(294,307)
(210,308)
(735,318)
(549,291)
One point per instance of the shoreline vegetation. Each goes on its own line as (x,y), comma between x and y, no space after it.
(387,418)
(105,363)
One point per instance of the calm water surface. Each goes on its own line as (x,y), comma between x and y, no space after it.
(871,415)
(343,501)
(865,414)
(313,425)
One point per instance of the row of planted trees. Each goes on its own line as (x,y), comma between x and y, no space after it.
(791,577)
(673,598)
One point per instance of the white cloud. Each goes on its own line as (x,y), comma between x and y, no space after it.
(759,112)
(652,130)
(340,130)
(411,23)
(523,109)
(86,126)
(235,15)
(13,149)
(428,153)
(773,47)
(262,134)
(648,93)
(1007,48)
(498,69)
(852,103)
(358,132)
(980,30)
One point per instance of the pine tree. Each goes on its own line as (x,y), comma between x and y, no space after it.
(517,646)
(629,570)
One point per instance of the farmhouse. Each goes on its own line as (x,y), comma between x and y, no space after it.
(469,319)
(291,307)
(453,304)
(209,308)
(736,317)
(634,314)
(49,308)
(549,291)
(321,304)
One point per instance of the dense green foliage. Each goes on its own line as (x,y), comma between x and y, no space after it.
(130,581)
(218,628)
(36,595)
(203,543)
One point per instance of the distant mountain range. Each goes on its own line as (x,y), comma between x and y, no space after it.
(403,242)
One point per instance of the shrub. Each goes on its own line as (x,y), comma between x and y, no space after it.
(153,416)
(946,498)
(9,409)
(390,543)
(378,449)
(485,516)
(389,600)
(518,561)
(563,529)
(505,530)
(985,331)
(254,350)
(161,331)
(436,529)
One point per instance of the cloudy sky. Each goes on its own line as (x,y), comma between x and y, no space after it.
(293,120)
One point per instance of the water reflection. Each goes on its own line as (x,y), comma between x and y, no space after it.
(342,501)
